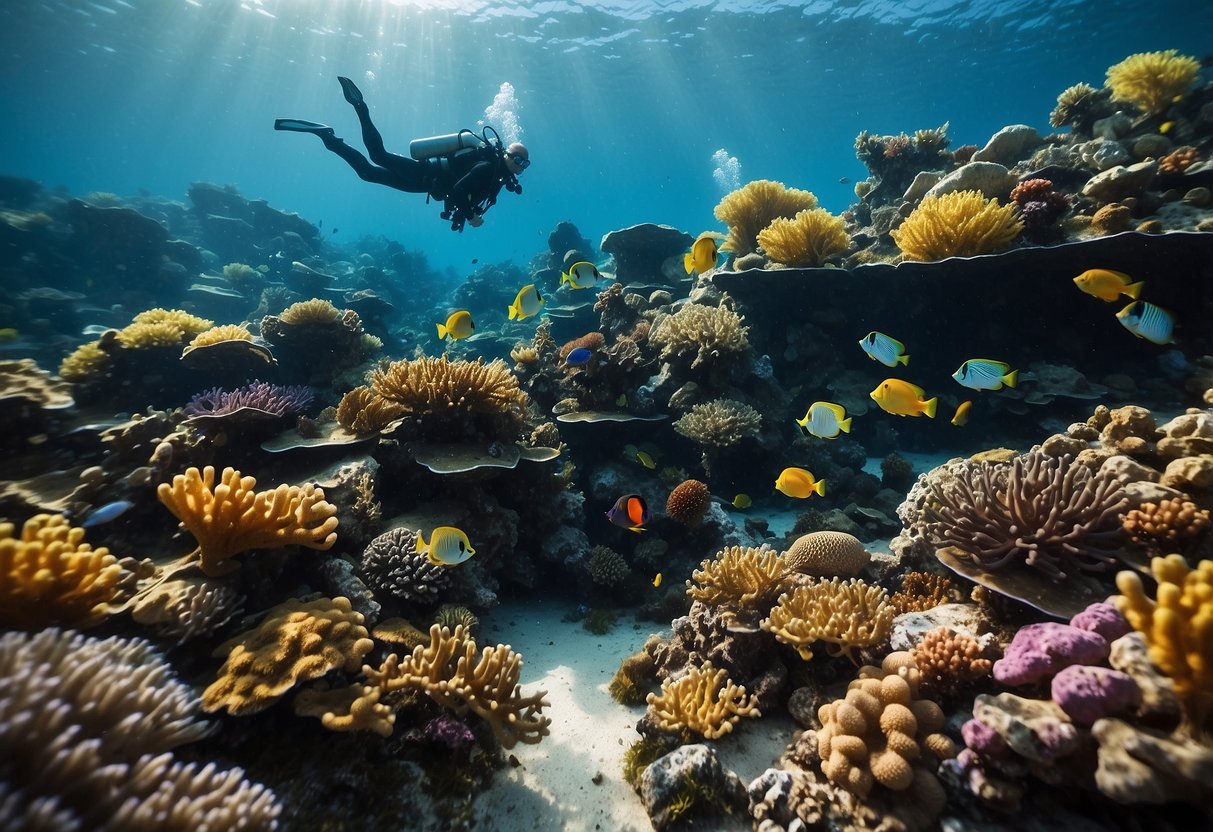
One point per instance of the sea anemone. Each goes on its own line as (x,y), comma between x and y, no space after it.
(1152,80)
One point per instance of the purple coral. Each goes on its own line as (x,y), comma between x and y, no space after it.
(1103,618)
(1090,693)
(448,731)
(1039,205)
(268,398)
(1039,651)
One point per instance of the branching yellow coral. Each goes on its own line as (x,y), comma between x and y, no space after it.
(51,576)
(739,579)
(704,701)
(361,411)
(1152,80)
(846,614)
(958,224)
(752,207)
(314,311)
(807,239)
(219,334)
(86,363)
(710,332)
(296,641)
(231,517)
(1178,626)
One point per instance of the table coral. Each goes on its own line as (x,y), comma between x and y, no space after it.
(1152,80)
(231,518)
(740,579)
(709,333)
(704,701)
(50,575)
(296,641)
(751,208)
(827,554)
(957,224)
(810,238)
(845,614)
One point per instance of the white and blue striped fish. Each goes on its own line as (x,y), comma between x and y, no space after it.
(888,351)
(825,420)
(985,374)
(1145,320)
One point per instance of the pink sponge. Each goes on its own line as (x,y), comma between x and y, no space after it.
(1039,651)
(1090,693)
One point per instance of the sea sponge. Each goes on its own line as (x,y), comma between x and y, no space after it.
(721,423)
(688,503)
(751,208)
(392,564)
(50,575)
(310,312)
(739,579)
(1166,524)
(296,641)
(921,591)
(807,239)
(704,701)
(827,554)
(1152,80)
(845,614)
(88,362)
(711,333)
(231,517)
(949,661)
(1112,218)
(361,411)
(219,334)
(1178,161)
(957,224)
(607,567)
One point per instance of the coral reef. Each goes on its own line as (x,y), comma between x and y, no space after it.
(810,238)
(827,554)
(707,334)
(688,503)
(704,701)
(740,579)
(392,564)
(1151,81)
(957,224)
(751,208)
(844,614)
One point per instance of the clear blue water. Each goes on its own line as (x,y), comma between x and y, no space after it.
(623,104)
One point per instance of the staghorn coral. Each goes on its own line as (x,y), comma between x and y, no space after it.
(827,554)
(361,411)
(711,333)
(88,362)
(310,312)
(807,239)
(688,503)
(607,567)
(86,727)
(391,564)
(1178,626)
(274,399)
(1167,524)
(721,423)
(1178,161)
(957,224)
(845,614)
(1079,106)
(751,208)
(921,591)
(704,701)
(296,641)
(949,661)
(231,518)
(50,575)
(740,579)
(219,334)
(1053,514)
(1152,80)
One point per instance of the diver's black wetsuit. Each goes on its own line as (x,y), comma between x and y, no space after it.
(468,182)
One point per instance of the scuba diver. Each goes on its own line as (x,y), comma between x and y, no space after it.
(465,170)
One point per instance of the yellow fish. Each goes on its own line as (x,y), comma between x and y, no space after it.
(645,460)
(1108,285)
(962,413)
(1145,320)
(657,580)
(458,325)
(799,483)
(1165,127)
(825,420)
(448,546)
(742,501)
(581,275)
(526,303)
(903,399)
(702,255)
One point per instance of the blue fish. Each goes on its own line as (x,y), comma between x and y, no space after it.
(579,356)
(107,513)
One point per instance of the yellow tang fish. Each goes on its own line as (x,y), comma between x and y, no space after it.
(961,417)
(1145,320)
(702,255)
(985,374)
(581,275)
(903,399)
(1165,127)
(880,347)
(825,420)
(657,580)
(799,483)
(742,501)
(458,325)
(448,546)
(526,303)
(1108,285)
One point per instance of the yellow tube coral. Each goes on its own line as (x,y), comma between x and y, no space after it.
(232,518)
(958,224)
(808,239)
(751,208)
(704,701)
(846,614)
(1152,80)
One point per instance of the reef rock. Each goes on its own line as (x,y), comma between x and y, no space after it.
(641,251)
(990,178)
(668,780)
(1009,145)
(1117,183)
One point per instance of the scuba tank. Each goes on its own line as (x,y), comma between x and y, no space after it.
(433,146)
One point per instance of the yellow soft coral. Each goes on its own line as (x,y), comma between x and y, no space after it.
(50,575)
(88,362)
(808,239)
(1178,626)
(704,701)
(190,325)
(151,334)
(296,641)
(846,614)
(958,224)
(360,411)
(441,387)
(231,517)
(751,208)
(314,311)
(1152,80)
(219,334)
(740,579)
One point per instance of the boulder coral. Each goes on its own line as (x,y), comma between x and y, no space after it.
(1151,81)
(751,208)
(810,238)
(704,701)
(957,224)
(827,554)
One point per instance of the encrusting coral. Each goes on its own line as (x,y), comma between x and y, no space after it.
(827,554)
(704,701)
(751,208)
(295,642)
(1152,80)
(845,614)
(957,224)
(807,239)
(709,333)
(739,579)
(231,517)
(50,575)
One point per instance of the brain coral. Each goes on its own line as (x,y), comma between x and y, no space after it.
(957,224)
(688,502)
(808,239)
(751,208)
(827,554)
(1152,80)
(391,564)
(711,333)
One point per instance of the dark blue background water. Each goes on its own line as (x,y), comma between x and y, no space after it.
(622,104)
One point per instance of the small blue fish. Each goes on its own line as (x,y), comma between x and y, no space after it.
(107,513)
(880,347)
(985,374)
(579,357)
(1145,320)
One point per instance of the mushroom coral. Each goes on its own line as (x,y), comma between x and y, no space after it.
(751,208)
(957,224)
(1152,80)
(808,239)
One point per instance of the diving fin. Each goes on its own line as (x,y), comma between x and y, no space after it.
(352,94)
(298,125)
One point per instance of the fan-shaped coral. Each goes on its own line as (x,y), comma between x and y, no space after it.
(751,208)
(807,239)
(688,502)
(957,224)
(704,701)
(1152,80)
(845,614)
(711,333)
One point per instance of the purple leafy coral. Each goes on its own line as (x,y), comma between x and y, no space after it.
(269,398)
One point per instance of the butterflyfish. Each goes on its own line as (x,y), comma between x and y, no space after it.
(630,512)
(458,325)
(581,275)
(1145,320)
(985,374)
(903,399)
(825,420)
(961,417)
(1108,285)
(799,483)
(742,501)
(526,303)
(448,546)
(579,357)
(646,460)
(702,255)
(657,580)
(888,351)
